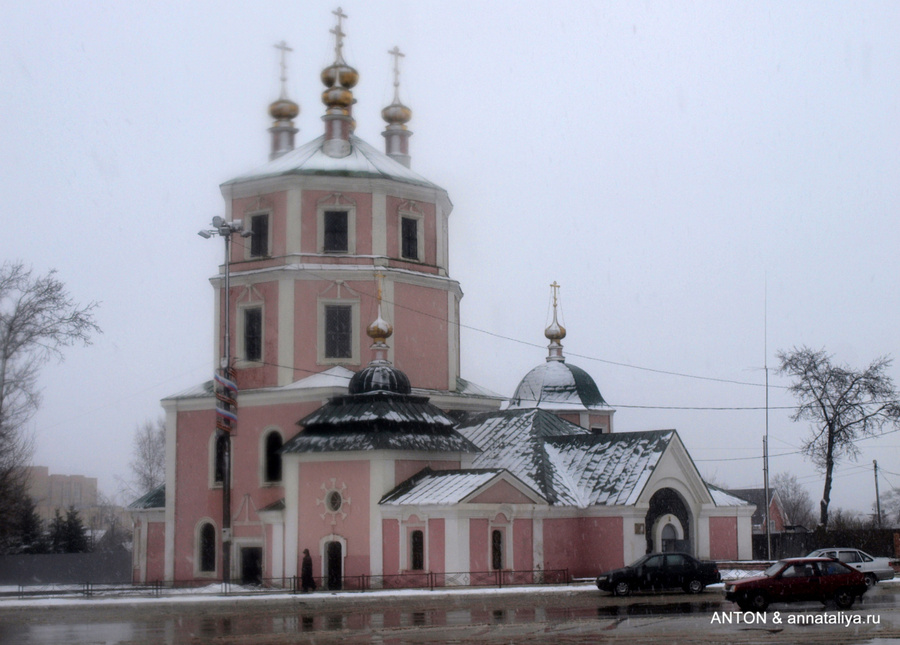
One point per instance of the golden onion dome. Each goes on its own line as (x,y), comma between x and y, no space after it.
(379,330)
(396,114)
(284,109)
(339,97)
(348,76)
(555,332)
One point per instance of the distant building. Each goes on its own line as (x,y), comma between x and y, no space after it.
(61,492)
(778,519)
(379,457)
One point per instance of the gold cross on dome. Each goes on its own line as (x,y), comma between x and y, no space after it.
(397,54)
(555,288)
(379,276)
(284,49)
(338,35)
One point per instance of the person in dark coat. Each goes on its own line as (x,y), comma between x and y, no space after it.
(307,582)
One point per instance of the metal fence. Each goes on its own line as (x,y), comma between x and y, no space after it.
(414,580)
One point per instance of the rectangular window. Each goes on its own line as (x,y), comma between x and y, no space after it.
(253,329)
(338,331)
(417,551)
(259,241)
(335,240)
(409,237)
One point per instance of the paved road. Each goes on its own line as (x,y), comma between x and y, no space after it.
(560,616)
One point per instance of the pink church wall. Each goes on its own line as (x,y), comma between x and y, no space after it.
(309,219)
(265,293)
(156,551)
(500,493)
(421,330)
(523,544)
(354,528)
(393,205)
(390,547)
(436,545)
(478,545)
(584,546)
(723,539)
(276,205)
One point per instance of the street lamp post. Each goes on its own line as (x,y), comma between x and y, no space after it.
(226,414)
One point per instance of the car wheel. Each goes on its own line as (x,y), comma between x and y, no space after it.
(871,580)
(758,601)
(844,599)
(621,588)
(694,586)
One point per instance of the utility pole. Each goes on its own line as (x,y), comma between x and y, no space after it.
(877,496)
(226,388)
(766,438)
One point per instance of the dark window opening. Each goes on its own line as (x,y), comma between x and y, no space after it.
(417,551)
(253,334)
(497,549)
(259,241)
(409,234)
(207,548)
(273,457)
(338,331)
(220,458)
(335,240)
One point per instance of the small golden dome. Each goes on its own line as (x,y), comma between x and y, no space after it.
(337,97)
(284,110)
(348,76)
(380,330)
(555,331)
(396,114)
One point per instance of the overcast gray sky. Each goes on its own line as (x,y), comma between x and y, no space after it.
(662,161)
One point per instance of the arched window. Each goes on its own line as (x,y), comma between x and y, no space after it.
(221,440)
(417,550)
(273,457)
(496,549)
(207,548)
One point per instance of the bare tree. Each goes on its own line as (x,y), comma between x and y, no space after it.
(843,404)
(890,507)
(148,458)
(795,499)
(38,319)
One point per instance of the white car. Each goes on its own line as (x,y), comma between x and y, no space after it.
(875,569)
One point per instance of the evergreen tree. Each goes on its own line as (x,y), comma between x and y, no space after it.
(57,534)
(76,540)
(31,530)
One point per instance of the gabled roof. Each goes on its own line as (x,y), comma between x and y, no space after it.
(723,497)
(430,487)
(310,159)
(156,498)
(565,463)
(756,496)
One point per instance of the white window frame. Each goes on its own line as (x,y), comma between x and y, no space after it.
(217,549)
(212,462)
(354,358)
(248,222)
(419,218)
(408,525)
(336,202)
(505,527)
(263,457)
(241,339)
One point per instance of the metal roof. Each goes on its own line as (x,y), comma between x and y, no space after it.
(156,498)
(554,385)
(429,487)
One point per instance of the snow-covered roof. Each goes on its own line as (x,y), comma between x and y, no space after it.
(337,376)
(440,486)
(378,421)
(310,159)
(556,385)
(565,463)
(724,498)
(156,498)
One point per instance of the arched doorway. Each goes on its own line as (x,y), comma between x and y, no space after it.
(668,523)
(334,558)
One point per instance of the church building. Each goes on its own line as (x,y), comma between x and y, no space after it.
(354,434)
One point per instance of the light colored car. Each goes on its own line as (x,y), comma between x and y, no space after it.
(875,569)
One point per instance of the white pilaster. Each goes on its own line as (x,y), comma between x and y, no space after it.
(171,483)
(452,341)
(379,224)
(381,478)
(291,520)
(292,221)
(537,543)
(285,331)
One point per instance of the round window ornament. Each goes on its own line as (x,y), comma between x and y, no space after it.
(334,500)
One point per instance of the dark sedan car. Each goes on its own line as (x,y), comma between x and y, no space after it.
(797,579)
(661,571)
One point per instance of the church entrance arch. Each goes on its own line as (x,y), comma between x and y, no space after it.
(669,521)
